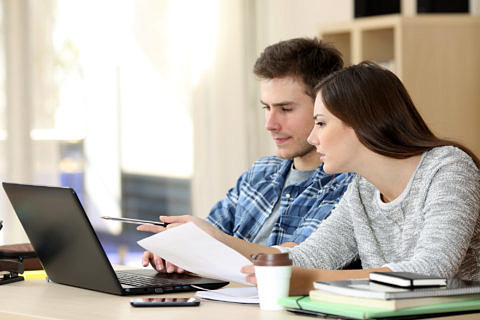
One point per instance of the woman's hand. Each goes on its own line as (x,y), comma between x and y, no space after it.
(250,273)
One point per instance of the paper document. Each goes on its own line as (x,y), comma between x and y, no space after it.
(237,295)
(192,249)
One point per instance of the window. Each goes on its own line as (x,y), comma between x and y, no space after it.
(111,107)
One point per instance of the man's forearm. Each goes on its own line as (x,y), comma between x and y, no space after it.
(288,244)
(246,248)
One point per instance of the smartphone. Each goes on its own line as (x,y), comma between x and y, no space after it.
(165,302)
(135,221)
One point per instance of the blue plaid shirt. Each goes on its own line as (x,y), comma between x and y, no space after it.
(303,206)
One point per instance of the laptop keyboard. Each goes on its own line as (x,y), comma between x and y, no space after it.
(161,279)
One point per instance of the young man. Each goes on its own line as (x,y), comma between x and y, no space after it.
(281,199)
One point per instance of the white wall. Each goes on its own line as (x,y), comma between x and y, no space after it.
(284,19)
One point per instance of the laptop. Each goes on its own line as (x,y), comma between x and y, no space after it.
(70,252)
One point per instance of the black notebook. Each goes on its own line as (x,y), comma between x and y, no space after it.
(407,279)
(70,252)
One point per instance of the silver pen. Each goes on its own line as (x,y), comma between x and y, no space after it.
(135,221)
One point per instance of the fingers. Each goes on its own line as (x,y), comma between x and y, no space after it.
(156,262)
(159,263)
(251,278)
(250,273)
(146,257)
(150,228)
(171,268)
(176,219)
(172,221)
(248,269)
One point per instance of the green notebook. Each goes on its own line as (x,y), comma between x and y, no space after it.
(360,312)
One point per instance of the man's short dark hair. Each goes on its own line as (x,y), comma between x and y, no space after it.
(310,60)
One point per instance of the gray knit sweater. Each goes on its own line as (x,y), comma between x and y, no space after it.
(432,227)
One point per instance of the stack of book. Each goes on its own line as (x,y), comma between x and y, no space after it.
(391,294)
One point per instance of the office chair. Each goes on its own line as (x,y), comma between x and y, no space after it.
(15,259)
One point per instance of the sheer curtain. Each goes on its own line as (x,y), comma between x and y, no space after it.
(16,160)
(228,119)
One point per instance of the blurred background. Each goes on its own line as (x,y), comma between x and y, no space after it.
(150,107)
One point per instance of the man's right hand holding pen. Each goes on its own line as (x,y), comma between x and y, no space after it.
(157,262)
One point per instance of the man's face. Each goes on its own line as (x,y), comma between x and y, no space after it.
(288,115)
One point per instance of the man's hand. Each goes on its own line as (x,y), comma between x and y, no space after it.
(151,228)
(173,221)
(155,261)
(159,264)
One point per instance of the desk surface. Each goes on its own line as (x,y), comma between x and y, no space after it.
(37,299)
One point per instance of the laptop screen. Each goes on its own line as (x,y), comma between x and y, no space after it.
(62,236)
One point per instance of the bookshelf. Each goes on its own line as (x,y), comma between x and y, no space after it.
(436,56)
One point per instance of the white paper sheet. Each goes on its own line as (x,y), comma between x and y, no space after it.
(192,249)
(237,295)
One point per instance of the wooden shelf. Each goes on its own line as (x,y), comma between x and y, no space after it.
(437,56)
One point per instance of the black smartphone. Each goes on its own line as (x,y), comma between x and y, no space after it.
(165,302)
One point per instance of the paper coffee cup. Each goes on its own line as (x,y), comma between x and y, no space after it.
(273,273)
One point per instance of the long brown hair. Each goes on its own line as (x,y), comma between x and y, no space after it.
(374,102)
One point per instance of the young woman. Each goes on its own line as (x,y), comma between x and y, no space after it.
(414,205)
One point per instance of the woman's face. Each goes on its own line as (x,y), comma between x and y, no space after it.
(336,142)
